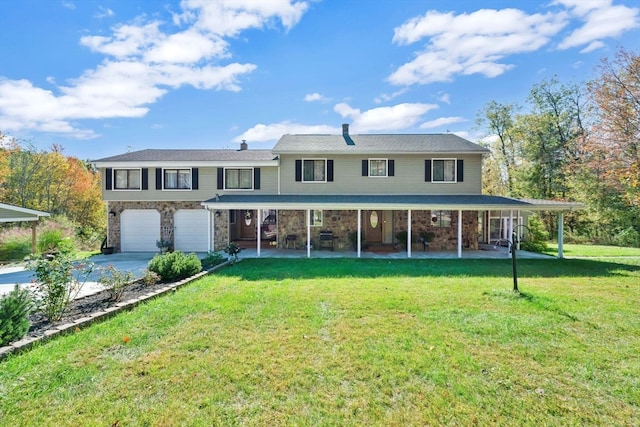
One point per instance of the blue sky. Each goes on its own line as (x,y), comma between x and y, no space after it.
(102,77)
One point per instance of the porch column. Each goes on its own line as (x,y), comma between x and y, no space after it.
(33,237)
(409,233)
(459,234)
(308,233)
(560,234)
(521,228)
(359,232)
(510,238)
(259,230)
(209,230)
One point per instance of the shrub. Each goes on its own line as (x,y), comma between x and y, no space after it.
(175,266)
(628,237)
(211,260)
(115,281)
(58,282)
(15,308)
(233,250)
(536,240)
(15,244)
(54,241)
(150,278)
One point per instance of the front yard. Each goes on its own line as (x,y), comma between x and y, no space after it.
(352,342)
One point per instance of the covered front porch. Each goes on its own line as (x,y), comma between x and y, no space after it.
(366,220)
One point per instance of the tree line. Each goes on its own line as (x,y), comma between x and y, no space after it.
(573,142)
(52,182)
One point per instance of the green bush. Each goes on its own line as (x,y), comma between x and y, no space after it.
(115,281)
(54,241)
(175,266)
(16,248)
(536,239)
(212,259)
(628,237)
(15,308)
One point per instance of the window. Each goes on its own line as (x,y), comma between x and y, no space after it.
(316,218)
(177,179)
(378,167)
(238,179)
(126,179)
(314,170)
(441,219)
(444,170)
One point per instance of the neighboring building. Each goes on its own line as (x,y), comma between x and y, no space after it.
(326,190)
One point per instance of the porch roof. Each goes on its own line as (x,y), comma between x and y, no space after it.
(384,202)
(11,213)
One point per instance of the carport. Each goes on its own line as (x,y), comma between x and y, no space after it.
(10,213)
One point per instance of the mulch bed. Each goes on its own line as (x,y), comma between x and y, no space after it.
(84,306)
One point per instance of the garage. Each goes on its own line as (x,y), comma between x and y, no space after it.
(139,230)
(191,230)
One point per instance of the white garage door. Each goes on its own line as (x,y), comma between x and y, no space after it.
(191,230)
(139,230)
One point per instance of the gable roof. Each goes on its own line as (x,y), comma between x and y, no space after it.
(376,144)
(167,157)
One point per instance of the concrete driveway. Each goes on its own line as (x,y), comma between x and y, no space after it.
(134,262)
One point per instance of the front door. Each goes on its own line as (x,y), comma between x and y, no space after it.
(373,226)
(247,224)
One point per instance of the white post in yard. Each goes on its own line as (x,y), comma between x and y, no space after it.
(308,233)
(259,229)
(560,234)
(209,229)
(409,233)
(459,233)
(359,231)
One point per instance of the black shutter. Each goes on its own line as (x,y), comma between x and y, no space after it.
(158,178)
(220,179)
(256,179)
(298,170)
(194,178)
(108,176)
(460,172)
(329,170)
(365,168)
(427,170)
(145,178)
(392,168)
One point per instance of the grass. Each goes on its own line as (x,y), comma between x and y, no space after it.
(352,342)
(592,251)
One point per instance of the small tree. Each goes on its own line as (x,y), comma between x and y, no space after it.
(15,308)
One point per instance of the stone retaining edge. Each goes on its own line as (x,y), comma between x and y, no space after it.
(26,343)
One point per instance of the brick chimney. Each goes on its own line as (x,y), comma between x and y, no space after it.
(243,145)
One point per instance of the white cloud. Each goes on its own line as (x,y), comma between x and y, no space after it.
(400,116)
(601,20)
(442,121)
(103,12)
(142,62)
(313,97)
(386,97)
(473,43)
(444,97)
(68,5)
(273,132)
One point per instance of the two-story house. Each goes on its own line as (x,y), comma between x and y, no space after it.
(342,192)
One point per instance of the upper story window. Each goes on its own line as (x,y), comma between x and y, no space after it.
(127,179)
(444,170)
(314,170)
(238,179)
(177,179)
(378,167)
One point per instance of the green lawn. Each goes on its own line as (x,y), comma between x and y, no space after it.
(595,251)
(352,342)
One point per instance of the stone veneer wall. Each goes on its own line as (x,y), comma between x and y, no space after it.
(340,222)
(220,230)
(166,209)
(446,239)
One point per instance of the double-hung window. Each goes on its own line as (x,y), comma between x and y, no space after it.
(378,167)
(127,179)
(177,179)
(314,170)
(444,170)
(238,179)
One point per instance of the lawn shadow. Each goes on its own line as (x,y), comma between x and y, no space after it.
(280,269)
